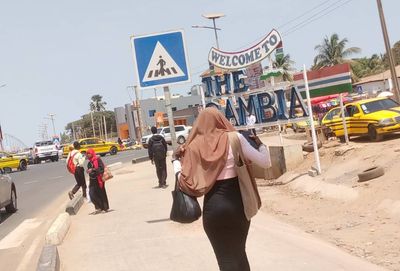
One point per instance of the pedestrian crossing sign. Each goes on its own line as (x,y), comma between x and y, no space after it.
(160,59)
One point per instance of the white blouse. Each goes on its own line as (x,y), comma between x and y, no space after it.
(260,157)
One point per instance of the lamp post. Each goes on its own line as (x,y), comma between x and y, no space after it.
(213,17)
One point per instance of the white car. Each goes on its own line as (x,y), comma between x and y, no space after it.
(8,193)
(181,131)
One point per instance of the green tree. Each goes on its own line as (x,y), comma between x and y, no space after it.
(367,66)
(395,53)
(285,64)
(97,105)
(333,51)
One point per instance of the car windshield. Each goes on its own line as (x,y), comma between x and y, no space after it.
(378,105)
(159,130)
(43,143)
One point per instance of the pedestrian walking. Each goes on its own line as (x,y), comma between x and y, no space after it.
(97,189)
(78,159)
(157,150)
(207,160)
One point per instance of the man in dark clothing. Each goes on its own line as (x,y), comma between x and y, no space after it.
(158,155)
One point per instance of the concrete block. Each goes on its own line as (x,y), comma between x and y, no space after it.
(283,159)
(74,205)
(49,259)
(55,235)
(312,172)
(140,159)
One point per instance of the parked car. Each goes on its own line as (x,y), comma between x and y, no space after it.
(100,146)
(8,193)
(28,152)
(45,150)
(182,133)
(9,161)
(373,117)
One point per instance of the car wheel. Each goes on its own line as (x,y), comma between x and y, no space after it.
(36,161)
(113,151)
(370,173)
(56,159)
(373,134)
(22,165)
(181,140)
(12,207)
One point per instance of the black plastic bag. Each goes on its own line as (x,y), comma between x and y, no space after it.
(185,208)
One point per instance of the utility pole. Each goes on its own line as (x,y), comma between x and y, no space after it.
(91,116)
(105,127)
(396,89)
(52,122)
(139,111)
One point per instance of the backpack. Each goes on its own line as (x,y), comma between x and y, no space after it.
(158,149)
(70,164)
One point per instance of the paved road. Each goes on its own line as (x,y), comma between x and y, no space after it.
(42,193)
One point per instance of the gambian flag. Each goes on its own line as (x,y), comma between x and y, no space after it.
(325,81)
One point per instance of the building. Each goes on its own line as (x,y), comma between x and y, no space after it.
(184,108)
(376,83)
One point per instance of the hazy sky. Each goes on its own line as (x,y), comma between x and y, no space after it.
(54,55)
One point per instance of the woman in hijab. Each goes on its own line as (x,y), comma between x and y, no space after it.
(97,190)
(207,161)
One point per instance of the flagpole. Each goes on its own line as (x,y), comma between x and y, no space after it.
(314,135)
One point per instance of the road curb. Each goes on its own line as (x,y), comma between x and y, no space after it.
(146,158)
(115,166)
(58,230)
(74,205)
(49,259)
(140,159)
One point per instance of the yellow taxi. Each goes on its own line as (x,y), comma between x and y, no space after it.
(8,162)
(100,146)
(373,117)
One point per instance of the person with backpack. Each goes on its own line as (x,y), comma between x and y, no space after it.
(75,165)
(157,149)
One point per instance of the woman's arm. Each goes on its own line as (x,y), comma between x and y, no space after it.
(100,169)
(260,157)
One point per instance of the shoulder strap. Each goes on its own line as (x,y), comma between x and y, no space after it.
(236,147)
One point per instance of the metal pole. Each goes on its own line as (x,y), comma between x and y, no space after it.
(52,122)
(91,116)
(105,127)
(216,35)
(396,89)
(203,99)
(346,134)
(273,88)
(168,107)
(314,135)
(139,112)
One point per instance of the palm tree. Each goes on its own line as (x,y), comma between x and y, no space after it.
(284,63)
(97,105)
(333,51)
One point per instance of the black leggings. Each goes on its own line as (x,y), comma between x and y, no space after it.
(226,226)
(80,180)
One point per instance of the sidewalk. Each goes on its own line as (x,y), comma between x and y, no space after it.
(138,235)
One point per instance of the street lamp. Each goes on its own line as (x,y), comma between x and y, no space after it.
(213,17)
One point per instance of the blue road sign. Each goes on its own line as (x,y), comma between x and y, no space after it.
(160,59)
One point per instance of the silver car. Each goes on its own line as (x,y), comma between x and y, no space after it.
(8,193)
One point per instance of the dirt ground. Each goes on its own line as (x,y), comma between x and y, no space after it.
(362,218)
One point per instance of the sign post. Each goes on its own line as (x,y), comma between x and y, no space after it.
(161,61)
(314,135)
(346,134)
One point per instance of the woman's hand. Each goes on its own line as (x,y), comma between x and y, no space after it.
(178,153)
(89,170)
